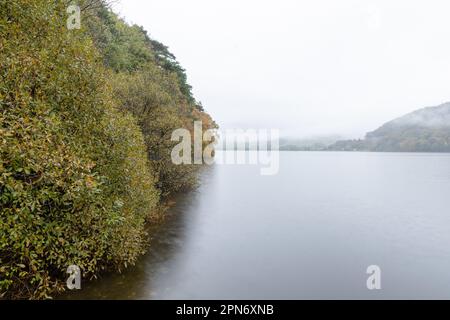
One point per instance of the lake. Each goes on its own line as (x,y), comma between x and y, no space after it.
(309,232)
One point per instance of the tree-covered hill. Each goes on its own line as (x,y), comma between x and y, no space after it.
(424,130)
(86,117)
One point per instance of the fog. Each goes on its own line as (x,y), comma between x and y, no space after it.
(307,68)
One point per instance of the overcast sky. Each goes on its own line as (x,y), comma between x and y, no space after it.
(313,67)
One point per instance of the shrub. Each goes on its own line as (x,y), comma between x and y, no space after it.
(75,183)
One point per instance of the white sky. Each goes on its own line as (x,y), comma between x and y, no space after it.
(313,67)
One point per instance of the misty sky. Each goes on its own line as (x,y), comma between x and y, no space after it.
(308,68)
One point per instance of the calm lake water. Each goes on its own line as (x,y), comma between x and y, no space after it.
(308,232)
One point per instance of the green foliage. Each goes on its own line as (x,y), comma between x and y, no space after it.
(129,48)
(156,101)
(150,83)
(86,119)
(167,60)
(123,47)
(76,185)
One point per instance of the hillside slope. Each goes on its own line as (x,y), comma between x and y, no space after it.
(424,130)
(86,117)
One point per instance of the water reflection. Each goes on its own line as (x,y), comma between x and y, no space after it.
(167,240)
(309,232)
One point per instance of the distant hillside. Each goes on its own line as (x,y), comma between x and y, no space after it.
(424,130)
(320,143)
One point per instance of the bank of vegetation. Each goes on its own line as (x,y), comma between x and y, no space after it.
(86,117)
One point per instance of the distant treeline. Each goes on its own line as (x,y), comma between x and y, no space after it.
(86,120)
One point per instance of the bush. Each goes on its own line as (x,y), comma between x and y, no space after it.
(151,97)
(76,186)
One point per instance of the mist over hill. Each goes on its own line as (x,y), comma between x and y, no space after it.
(424,130)
(314,143)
